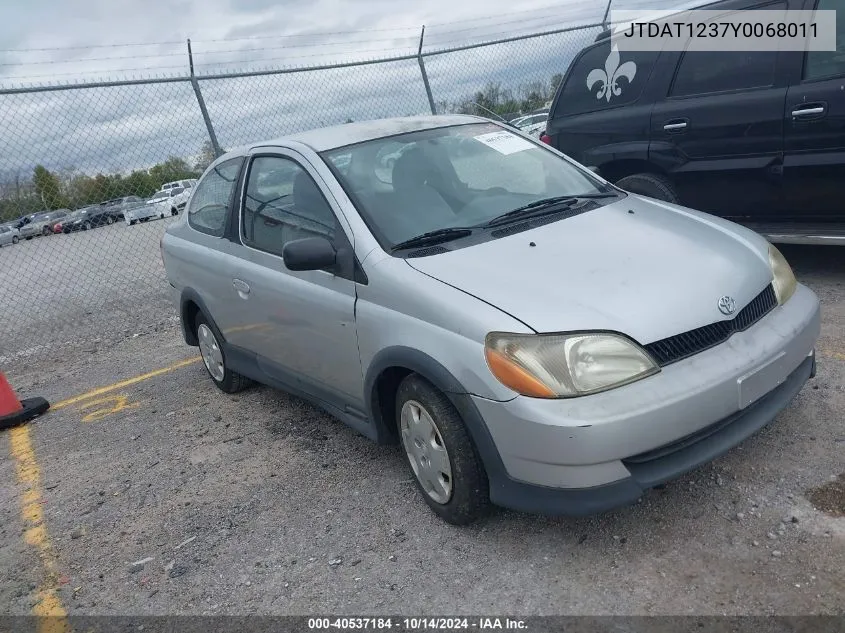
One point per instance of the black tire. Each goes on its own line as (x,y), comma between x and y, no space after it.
(470,498)
(28,237)
(131,222)
(173,211)
(654,186)
(161,217)
(46,231)
(109,220)
(15,239)
(232,382)
(87,226)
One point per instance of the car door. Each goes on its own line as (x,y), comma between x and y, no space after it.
(814,134)
(208,264)
(719,131)
(301,325)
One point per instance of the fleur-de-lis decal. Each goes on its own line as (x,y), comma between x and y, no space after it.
(608,79)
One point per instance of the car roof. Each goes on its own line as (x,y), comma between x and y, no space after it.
(327,138)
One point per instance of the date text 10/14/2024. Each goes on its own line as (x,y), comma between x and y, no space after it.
(417,623)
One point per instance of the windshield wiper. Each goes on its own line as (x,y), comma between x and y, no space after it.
(434,237)
(544,206)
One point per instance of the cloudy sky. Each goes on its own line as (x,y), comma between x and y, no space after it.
(118,129)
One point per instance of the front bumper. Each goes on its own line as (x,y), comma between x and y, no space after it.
(585,455)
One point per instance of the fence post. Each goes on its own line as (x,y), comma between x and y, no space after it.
(606,13)
(196,85)
(425,74)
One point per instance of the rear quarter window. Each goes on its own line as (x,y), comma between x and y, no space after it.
(602,77)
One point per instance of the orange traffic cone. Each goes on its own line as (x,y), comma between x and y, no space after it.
(14,411)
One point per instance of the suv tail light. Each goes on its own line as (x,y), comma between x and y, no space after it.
(546,138)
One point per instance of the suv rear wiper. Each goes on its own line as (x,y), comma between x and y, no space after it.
(545,206)
(438,236)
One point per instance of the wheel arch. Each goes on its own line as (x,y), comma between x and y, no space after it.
(190,305)
(615,170)
(387,370)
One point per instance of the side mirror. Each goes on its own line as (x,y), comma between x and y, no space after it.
(310,253)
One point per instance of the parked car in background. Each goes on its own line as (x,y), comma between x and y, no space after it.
(755,137)
(86,219)
(118,206)
(8,235)
(183,184)
(426,308)
(163,204)
(530,120)
(42,223)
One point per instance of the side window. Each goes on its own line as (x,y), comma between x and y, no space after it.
(602,78)
(820,64)
(705,72)
(212,197)
(283,203)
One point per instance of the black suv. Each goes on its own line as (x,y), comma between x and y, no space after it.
(755,137)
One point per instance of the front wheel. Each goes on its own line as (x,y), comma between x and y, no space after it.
(131,222)
(15,239)
(173,211)
(46,231)
(109,220)
(87,226)
(440,452)
(214,359)
(654,186)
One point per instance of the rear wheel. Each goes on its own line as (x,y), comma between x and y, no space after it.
(131,222)
(174,211)
(109,220)
(654,186)
(440,453)
(214,359)
(15,239)
(87,226)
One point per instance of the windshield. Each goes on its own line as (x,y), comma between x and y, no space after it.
(458,176)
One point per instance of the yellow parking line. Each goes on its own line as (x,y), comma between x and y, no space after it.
(52,617)
(123,383)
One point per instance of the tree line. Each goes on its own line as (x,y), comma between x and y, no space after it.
(48,190)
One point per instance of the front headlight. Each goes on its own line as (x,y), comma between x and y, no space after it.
(784,279)
(565,365)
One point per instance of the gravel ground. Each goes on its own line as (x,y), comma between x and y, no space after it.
(258,503)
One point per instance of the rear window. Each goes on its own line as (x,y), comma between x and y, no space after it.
(602,78)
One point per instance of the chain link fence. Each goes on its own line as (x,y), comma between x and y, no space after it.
(92,173)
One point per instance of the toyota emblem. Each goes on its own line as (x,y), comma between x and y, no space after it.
(727,305)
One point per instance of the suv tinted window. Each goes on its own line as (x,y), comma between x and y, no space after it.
(602,77)
(283,203)
(212,198)
(704,72)
(828,63)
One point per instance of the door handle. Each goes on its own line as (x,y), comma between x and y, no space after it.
(241,286)
(813,111)
(675,127)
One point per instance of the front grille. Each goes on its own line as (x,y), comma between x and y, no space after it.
(675,348)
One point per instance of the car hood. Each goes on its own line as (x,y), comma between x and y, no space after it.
(647,269)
